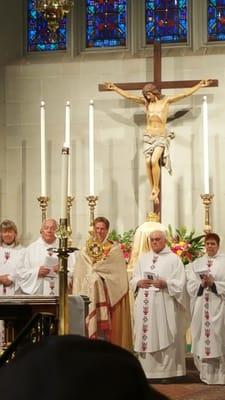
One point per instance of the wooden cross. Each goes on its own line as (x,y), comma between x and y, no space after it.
(160,85)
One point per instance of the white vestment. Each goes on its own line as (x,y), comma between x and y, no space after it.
(208,318)
(10,258)
(159,315)
(35,257)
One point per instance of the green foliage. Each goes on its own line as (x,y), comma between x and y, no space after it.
(125,241)
(125,238)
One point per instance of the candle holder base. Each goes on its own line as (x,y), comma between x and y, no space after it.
(63,253)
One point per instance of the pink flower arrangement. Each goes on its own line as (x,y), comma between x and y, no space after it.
(126,251)
(187,246)
(182,250)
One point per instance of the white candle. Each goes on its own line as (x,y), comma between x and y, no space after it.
(69,176)
(64,182)
(205,145)
(67,125)
(68,143)
(43,156)
(91,148)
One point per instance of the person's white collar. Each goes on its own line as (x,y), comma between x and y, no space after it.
(8,246)
(165,250)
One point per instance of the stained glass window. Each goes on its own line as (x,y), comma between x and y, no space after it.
(166,21)
(106,23)
(39,37)
(216,20)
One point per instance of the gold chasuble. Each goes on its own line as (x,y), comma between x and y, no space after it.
(100,273)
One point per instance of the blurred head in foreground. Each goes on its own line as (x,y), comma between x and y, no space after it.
(74,367)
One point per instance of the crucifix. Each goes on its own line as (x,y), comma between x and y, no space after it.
(161,108)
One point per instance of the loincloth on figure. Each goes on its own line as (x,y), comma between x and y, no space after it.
(152,142)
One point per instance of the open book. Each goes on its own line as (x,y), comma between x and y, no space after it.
(150,275)
(153,276)
(50,262)
(201,271)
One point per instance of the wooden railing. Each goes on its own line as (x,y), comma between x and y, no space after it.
(41,324)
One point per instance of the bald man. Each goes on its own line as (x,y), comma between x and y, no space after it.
(159,311)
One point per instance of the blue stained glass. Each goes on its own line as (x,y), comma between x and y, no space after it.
(106,23)
(39,37)
(216,20)
(166,21)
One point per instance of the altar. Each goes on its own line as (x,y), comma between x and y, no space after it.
(17,310)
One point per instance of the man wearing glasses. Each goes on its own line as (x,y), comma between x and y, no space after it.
(160,309)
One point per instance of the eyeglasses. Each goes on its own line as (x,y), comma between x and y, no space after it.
(155,239)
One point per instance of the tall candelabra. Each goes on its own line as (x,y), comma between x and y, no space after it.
(43,200)
(92,202)
(63,253)
(207,201)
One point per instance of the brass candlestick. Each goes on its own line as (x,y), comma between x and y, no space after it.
(207,201)
(43,200)
(63,253)
(70,200)
(92,202)
(63,289)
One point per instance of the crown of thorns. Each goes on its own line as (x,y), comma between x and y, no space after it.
(153,89)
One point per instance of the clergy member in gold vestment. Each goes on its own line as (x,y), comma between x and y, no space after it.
(100,273)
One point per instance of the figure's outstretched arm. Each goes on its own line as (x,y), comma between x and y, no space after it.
(124,93)
(189,91)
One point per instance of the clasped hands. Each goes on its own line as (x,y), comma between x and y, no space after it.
(157,283)
(207,280)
